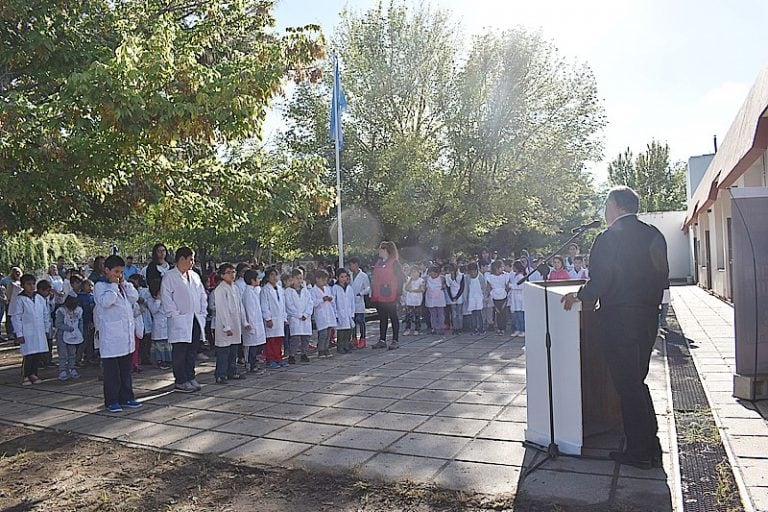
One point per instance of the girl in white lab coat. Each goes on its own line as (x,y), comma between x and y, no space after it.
(161,349)
(31,322)
(475,292)
(68,336)
(254,338)
(454,288)
(230,322)
(114,299)
(344,306)
(325,315)
(273,311)
(516,298)
(434,300)
(299,308)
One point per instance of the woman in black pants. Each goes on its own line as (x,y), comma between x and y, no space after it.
(385,293)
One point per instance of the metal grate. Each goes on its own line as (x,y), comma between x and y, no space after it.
(705,472)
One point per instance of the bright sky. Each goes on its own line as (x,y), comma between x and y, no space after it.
(677,71)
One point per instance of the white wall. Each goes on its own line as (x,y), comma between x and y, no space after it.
(697,166)
(678,247)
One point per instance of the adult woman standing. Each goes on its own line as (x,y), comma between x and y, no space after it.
(158,266)
(385,292)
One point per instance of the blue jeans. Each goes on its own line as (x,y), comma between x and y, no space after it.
(226,361)
(476,322)
(457,316)
(519,318)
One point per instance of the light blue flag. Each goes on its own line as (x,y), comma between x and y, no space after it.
(338,106)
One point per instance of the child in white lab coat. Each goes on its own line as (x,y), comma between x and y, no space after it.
(31,322)
(230,323)
(68,336)
(114,299)
(254,338)
(325,316)
(161,349)
(299,308)
(344,306)
(272,301)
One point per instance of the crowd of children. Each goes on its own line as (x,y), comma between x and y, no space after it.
(121,317)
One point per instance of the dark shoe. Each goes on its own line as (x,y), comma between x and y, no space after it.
(237,376)
(291,360)
(631,459)
(393,345)
(221,380)
(379,344)
(304,358)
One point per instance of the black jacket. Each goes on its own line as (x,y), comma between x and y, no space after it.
(627,266)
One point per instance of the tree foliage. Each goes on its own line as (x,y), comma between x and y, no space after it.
(133,116)
(659,182)
(450,148)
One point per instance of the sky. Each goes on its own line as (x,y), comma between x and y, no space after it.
(672,70)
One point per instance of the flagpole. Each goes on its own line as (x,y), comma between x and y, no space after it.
(337,129)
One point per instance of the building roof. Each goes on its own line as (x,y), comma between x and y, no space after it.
(745,141)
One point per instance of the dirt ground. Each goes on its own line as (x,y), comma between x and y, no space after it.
(45,470)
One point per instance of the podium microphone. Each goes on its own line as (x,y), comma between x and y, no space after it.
(585,227)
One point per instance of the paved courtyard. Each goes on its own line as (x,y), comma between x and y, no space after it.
(449,410)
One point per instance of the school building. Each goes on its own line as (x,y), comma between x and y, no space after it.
(737,169)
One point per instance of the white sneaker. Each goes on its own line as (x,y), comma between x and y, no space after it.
(515,334)
(63,375)
(407,332)
(415,333)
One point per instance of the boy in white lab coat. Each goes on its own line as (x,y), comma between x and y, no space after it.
(254,338)
(114,299)
(298,308)
(325,316)
(344,306)
(230,324)
(28,312)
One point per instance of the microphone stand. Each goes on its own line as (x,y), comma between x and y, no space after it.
(552,451)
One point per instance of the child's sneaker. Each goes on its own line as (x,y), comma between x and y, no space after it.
(304,358)
(273,364)
(284,363)
(415,333)
(407,332)
(131,404)
(393,345)
(379,344)
(26,382)
(114,408)
(63,375)
(74,374)
(291,360)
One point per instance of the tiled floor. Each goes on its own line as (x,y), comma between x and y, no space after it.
(444,409)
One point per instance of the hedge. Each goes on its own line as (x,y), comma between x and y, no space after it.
(33,253)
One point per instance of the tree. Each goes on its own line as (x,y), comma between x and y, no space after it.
(450,151)
(125,116)
(659,182)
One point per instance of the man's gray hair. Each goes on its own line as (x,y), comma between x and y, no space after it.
(625,198)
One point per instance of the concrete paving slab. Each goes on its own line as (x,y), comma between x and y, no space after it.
(409,406)
(157,435)
(513,413)
(318,399)
(452,426)
(388,392)
(508,453)
(332,459)
(394,467)
(252,426)
(266,451)
(304,432)
(486,398)
(333,416)
(473,411)
(565,487)
(429,445)
(483,478)
(209,442)
(504,431)
(289,411)
(364,438)
(203,420)
(653,494)
(393,421)
(366,403)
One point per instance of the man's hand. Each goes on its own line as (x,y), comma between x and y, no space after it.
(248,327)
(229,332)
(569,300)
(20,340)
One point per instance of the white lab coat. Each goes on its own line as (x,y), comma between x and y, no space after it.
(114,315)
(435,297)
(57,283)
(31,321)
(183,300)
(325,314)
(515,300)
(344,306)
(273,308)
(298,304)
(138,320)
(361,283)
(229,314)
(253,317)
(159,319)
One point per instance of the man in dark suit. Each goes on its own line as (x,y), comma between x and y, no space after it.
(628,272)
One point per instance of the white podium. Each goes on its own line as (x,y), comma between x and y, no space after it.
(583,396)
